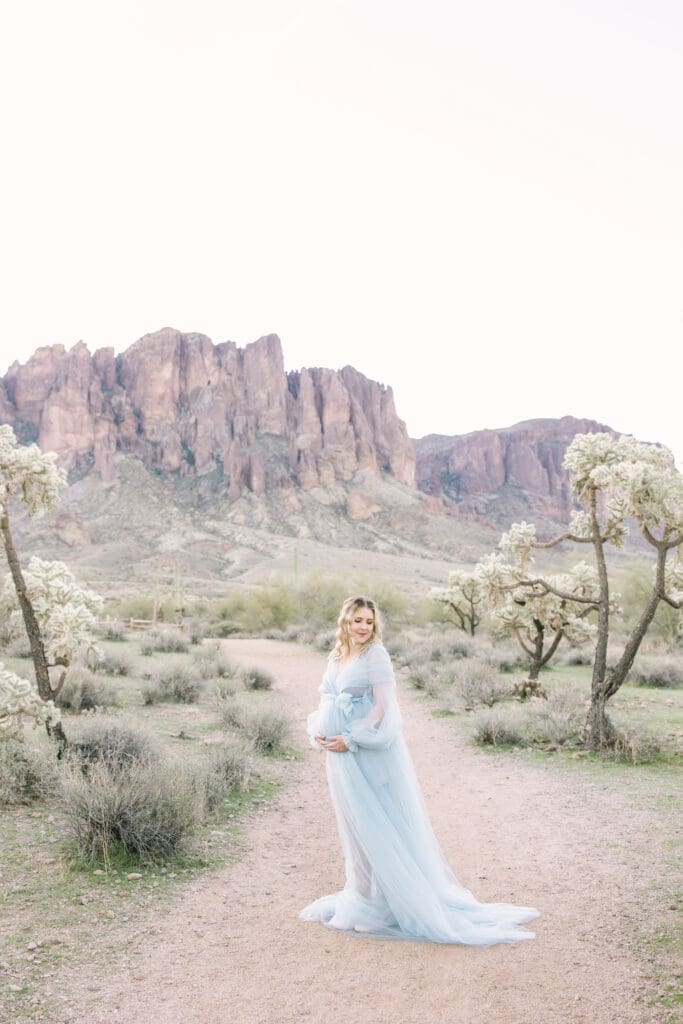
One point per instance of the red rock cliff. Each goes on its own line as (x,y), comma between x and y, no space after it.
(500,474)
(187,406)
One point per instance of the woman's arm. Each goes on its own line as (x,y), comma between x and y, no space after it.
(382,724)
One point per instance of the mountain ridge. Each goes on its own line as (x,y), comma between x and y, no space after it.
(215,458)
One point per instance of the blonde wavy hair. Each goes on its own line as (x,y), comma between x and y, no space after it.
(342,647)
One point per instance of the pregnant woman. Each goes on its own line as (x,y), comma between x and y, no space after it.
(398,884)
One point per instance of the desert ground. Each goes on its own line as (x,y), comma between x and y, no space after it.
(230,947)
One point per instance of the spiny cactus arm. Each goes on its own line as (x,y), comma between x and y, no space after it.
(539,587)
(545,544)
(553,647)
(522,642)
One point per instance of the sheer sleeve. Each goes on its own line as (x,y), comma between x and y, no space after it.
(382,724)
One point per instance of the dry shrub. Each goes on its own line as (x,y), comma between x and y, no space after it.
(228,770)
(256,679)
(112,744)
(26,774)
(83,691)
(460,647)
(633,747)
(558,718)
(210,662)
(505,657)
(222,690)
(196,631)
(325,640)
(420,675)
(398,650)
(660,671)
(19,647)
(177,684)
(167,641)
(143,811)
(113,630)
(232,713)
(477,682)
(499,727)
(152,693)
(578,656)
(269,730)
(115,663)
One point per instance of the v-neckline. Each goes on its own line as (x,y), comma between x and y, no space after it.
(344,667)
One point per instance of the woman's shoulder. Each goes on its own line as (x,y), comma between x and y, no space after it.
(377,653)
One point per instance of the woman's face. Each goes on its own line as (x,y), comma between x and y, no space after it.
(361,625)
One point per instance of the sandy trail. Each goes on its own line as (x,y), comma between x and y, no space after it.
(233,949)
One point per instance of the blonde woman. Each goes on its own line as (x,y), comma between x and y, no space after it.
(398,884)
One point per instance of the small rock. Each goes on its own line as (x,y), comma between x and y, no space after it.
(132,876)
(99,871)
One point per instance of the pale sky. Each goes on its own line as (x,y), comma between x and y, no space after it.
(479,203)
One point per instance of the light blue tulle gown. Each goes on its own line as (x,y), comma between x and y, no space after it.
(398,884)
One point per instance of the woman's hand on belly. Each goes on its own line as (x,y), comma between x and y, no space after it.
(334,743)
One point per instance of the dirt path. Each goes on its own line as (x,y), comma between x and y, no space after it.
(234,950)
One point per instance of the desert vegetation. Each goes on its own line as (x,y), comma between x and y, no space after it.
(145,794)
(615,481)
(164,741)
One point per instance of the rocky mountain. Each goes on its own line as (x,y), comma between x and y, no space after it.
(189,408)
(213,461)
(502,475)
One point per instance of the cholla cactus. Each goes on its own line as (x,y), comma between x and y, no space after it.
(19,697)
(614,479)
(537,613)
(26,470)
(65,612)
(462,597)
(60,619)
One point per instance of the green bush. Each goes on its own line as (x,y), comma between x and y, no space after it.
(144,811)
(26,774)
(83,691)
